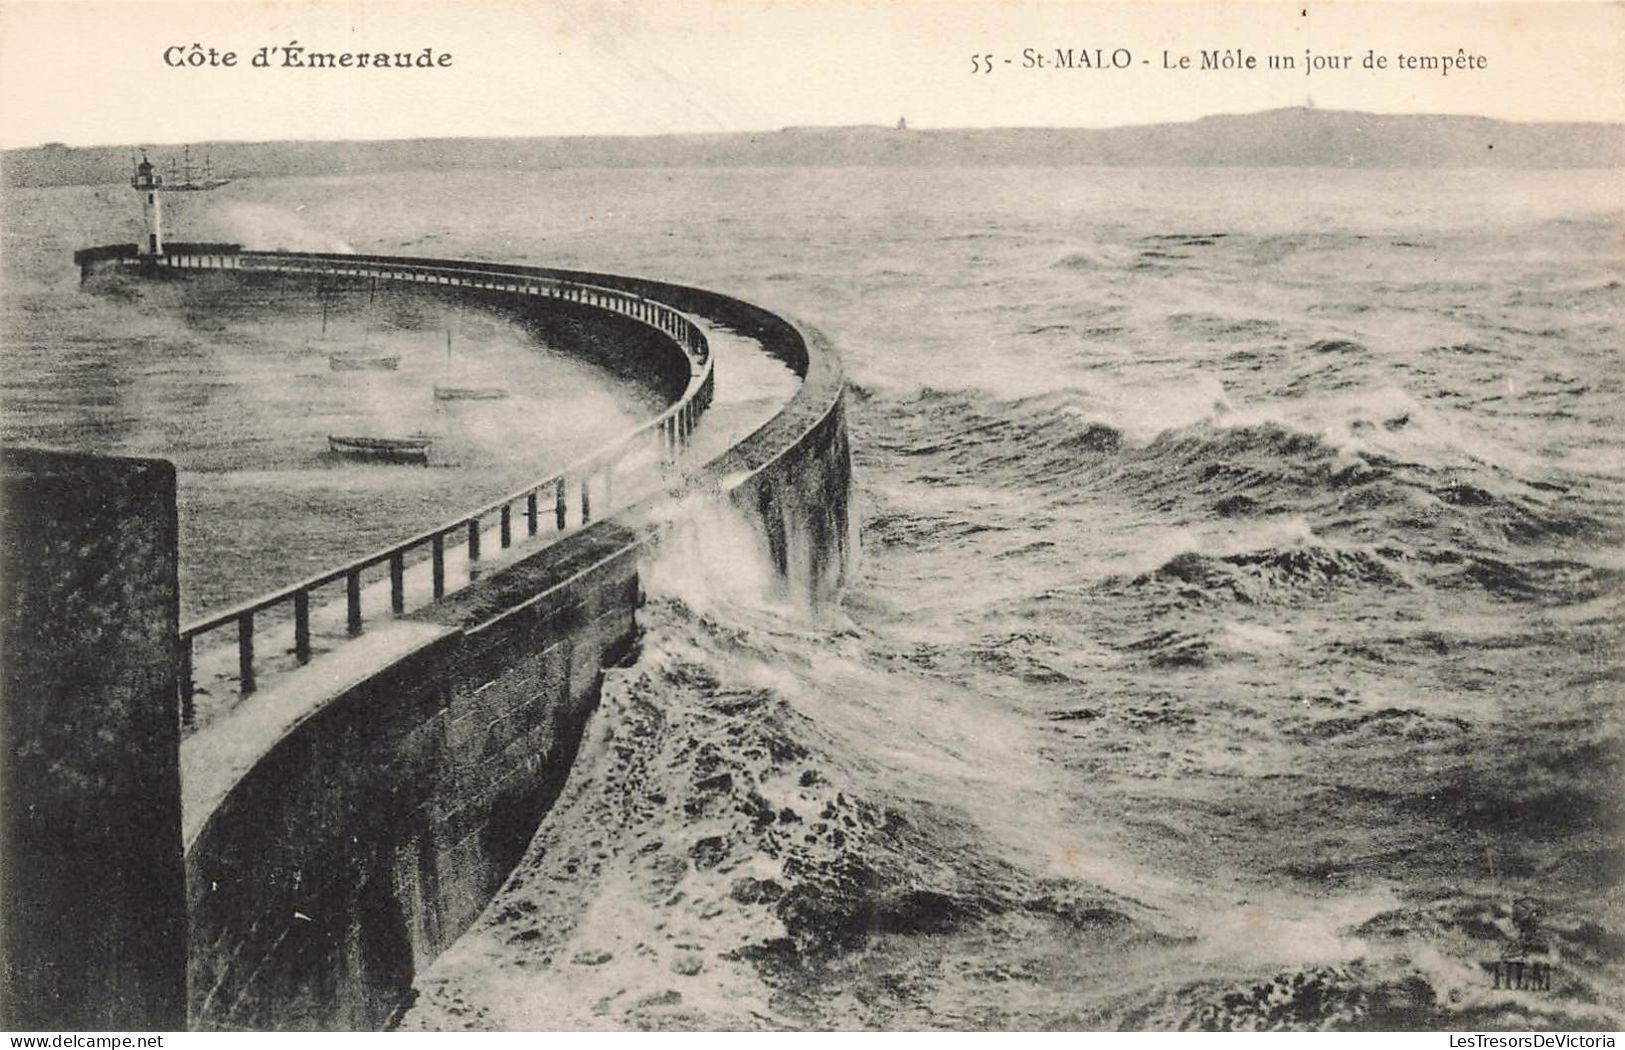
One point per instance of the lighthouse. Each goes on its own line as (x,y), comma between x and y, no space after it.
(150,184)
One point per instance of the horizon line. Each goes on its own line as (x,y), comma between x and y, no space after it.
(806,127)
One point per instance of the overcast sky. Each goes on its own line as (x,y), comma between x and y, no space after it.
(93,73)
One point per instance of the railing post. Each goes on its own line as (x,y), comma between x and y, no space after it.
(188,687)
(531,512)
(352,595)
(507,526)
(397,583)
(474,540)
(439,559)
(560,507)
(301,626)
(586,500)
(245,652)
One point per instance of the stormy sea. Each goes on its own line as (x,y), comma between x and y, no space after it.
(1235,641)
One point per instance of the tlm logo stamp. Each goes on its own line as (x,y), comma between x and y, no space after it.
(1525,962)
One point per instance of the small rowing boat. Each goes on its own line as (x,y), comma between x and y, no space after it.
(468,393)
(351,362)
(444,392)
(383,449)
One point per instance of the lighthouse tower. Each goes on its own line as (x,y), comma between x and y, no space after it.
(150,184)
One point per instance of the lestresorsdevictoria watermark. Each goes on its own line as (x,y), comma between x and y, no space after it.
(1532,1041)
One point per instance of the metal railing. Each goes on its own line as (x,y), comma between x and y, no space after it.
(669,431)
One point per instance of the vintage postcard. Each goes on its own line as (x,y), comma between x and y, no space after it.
(813,515)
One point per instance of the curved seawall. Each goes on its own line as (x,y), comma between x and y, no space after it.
(350,819)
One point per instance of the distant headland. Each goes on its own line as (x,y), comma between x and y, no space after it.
(1301,136)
